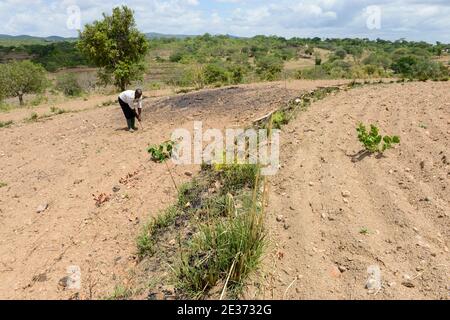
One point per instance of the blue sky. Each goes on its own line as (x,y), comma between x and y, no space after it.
(387,19)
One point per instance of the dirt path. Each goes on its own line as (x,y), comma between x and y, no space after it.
(66,160)
(342,217)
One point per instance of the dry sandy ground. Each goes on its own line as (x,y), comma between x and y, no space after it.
(67,160)
(343,215)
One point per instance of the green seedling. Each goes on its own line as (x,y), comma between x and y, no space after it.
(161,153)
(374,142)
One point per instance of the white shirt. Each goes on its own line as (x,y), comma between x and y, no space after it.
(128,98)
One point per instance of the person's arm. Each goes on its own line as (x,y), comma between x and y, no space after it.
(139,112)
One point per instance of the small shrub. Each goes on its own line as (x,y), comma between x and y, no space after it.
(215,74)
(162,152)
(373,141)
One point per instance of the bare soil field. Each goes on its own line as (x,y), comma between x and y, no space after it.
(333,215)
(77,188)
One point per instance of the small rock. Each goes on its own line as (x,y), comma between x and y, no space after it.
(42,208)
(408,284)
(280,218)
(342,269)
(188,173)
(286,226)
(311,184)
(292,208)
(116,189)
(408,170)
(172,242)
(156,296)
(346,194)
(168,290)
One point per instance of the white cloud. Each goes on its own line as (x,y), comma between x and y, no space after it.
(412,19)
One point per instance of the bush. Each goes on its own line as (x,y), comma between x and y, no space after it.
(215,74)
(340,53)
(68,84)
(269,67)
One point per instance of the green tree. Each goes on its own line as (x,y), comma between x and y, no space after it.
(20,78)
(116,46)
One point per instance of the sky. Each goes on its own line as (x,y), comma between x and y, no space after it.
(418,20)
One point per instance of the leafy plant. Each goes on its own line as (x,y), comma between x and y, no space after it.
(373,141)
(162,152)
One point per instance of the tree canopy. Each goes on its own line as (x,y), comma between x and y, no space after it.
(20,78)
(116,46)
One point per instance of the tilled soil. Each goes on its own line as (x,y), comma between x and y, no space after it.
(96,186)
(334,215)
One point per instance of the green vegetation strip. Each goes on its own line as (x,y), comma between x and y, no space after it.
(218,219)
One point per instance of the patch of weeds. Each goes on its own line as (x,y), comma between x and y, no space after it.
(56,110)
(33,117)
(3,184)
(189,194)
(237,176)
(279,119)
(120,293)
(223,251)
(216,206)
(148,237)
(423,126)
(6,124)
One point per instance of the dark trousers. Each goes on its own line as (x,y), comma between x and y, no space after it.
(127,111)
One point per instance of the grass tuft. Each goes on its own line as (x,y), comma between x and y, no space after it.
(147,239)
(6,124)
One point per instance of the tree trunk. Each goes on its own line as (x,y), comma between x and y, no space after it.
(21,99)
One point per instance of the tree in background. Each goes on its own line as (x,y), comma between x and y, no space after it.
(116,46)
(20,78)
(69,85)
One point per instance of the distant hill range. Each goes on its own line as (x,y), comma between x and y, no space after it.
(31,39)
